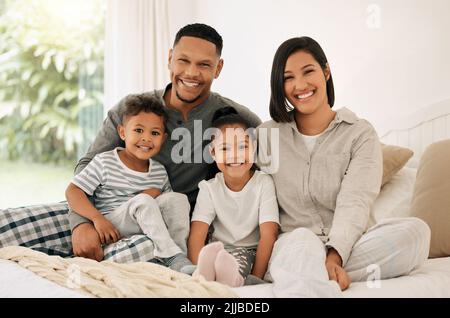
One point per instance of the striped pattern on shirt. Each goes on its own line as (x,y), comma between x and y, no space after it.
(112,183)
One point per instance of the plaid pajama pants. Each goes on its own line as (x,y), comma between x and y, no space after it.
(46,228)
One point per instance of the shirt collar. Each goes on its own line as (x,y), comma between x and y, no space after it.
(160,95)
(161,92)
(342,115)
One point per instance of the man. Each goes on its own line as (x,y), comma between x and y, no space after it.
(194,62)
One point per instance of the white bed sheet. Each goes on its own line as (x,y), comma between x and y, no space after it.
(431,280)
(16,281)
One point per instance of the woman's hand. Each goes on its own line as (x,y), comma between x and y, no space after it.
(106,231)
(335,271)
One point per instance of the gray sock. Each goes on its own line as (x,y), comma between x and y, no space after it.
(176,262)
(253,280)
(188,269)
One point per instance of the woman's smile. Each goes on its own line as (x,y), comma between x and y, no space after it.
(305,97)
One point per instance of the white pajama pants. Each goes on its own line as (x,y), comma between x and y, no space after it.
(391,248)
(165,220)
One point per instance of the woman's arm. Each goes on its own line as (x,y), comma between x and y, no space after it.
(359,188)
(197,238)
(268,236)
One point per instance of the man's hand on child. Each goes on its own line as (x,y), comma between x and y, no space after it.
(153,192)
(106,231)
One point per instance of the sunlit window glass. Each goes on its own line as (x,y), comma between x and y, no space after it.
(51,94)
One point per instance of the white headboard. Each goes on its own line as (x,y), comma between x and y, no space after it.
(420,129)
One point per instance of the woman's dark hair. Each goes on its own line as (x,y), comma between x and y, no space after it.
(278,106)
(201,31)
(136,103)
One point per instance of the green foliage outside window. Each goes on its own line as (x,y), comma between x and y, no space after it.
(51,73)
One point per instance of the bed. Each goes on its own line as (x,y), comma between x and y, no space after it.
(431,280)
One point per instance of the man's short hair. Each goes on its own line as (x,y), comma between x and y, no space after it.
(202,31)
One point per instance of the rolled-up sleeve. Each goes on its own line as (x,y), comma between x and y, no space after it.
(360,186)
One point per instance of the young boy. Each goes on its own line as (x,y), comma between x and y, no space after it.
(126,182)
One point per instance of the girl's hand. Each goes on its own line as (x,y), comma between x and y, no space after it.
(335,271)
(106,231)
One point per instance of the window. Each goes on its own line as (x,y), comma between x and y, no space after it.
(51,94)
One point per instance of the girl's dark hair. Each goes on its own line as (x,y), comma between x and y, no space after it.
(278,106)
(136,103)
(228,116)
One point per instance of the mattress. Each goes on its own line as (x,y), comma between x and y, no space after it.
(16,281)
(431,280)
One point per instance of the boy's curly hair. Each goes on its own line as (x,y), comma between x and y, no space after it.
(136,103)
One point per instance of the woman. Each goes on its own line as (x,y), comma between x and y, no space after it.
(328,175)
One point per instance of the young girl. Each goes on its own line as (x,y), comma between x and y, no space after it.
(239,203)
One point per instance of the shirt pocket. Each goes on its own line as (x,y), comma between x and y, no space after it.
(327,175)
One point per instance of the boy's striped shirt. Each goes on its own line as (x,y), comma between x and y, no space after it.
(112,183)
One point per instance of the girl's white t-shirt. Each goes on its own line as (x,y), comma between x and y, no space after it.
(236,216)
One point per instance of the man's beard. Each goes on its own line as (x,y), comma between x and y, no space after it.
(187,101)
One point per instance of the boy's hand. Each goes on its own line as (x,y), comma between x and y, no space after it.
(106,231)
(153,192)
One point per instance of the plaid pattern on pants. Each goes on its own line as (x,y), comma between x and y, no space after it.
(46,228)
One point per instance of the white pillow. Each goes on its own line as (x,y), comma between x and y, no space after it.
(395,197)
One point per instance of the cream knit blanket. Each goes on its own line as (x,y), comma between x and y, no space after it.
(109,279)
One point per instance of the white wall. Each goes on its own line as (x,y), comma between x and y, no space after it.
(380,73)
